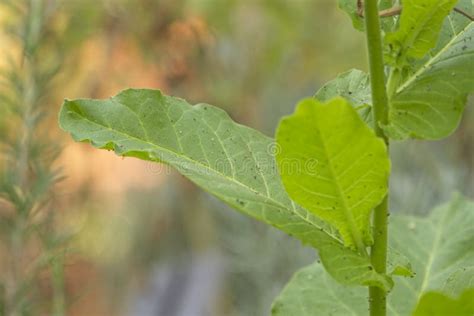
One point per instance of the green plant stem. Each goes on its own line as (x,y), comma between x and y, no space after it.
(378,254)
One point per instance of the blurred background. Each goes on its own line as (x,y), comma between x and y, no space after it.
(84,232)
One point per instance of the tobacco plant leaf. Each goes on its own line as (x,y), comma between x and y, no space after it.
(332,164)
(354,86)
(438,304)
(420,25)
(233,162)
(432,95)
(312,291)
(429,103)
(458,281)
(439,247)
(454,24)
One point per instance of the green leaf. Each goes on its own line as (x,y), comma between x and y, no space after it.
(312,291)
(454,24)
(354,86)
(398,264)
(437,304)
(332,164)
(459,280)
(230,161)
(420,25)
(439,248)
(350,268)
(429,103)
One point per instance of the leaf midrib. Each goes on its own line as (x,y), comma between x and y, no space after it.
(428,63)
(233,180)
(354,231)
(434,249)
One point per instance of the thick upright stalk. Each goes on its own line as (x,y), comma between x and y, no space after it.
(378,253)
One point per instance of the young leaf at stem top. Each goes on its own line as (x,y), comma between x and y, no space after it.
(430,94)
(420,25)
(349,166)
(427,97)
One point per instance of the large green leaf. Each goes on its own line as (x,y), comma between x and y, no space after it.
(332,164)
(231,161)
(313,292)
(437,304)
(459,280)
(430,102)
(439,247)
(354,86)
(420,25)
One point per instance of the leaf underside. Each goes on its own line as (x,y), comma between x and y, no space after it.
(354,86)
(439,248)
(230,161)
(430,102)
(431,97)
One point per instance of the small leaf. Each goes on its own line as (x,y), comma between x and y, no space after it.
(437,304)
(350,268)
(233,162)
(439,248)
(420,25)
(354,86)
(332,164)
(398,264)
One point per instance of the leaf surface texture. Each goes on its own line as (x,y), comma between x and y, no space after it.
(439,248)
(232,162)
